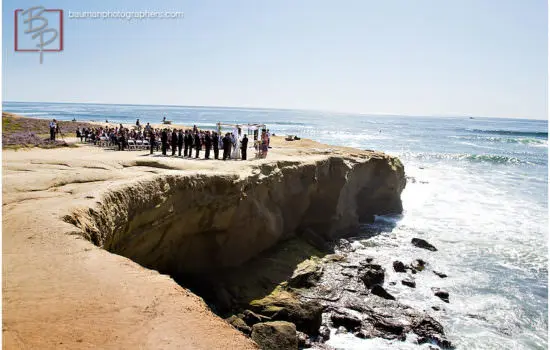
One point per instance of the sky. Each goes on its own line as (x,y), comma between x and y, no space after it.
(400,57)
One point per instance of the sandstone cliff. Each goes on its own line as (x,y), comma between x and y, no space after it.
(180,223)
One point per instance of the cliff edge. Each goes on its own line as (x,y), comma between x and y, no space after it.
(168,214)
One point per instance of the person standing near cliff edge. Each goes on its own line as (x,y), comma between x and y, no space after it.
(164,141)
(216,142)
(151,141)
(180,141)
(197,144)
(244,146)
(174,140)
(207,145)
(226,141)
(53,128)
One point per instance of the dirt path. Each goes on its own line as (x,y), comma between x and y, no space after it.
(62,292)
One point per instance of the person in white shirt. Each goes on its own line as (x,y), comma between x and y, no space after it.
(53,127)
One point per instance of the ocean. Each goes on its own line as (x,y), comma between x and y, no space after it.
(477,189)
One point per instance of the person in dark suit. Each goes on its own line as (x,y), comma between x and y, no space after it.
(197,144)
(244,146)
(164,141)
(180,142)
(151,140)
(174,143)
(216,143)
(226,142)
(185,143)
(207,145)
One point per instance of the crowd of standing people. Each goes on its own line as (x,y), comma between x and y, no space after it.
(191,141)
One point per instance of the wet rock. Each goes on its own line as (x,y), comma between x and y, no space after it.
(398,266)
(346,320)
(409,282)
(381,292)
(238,323)
(418,265)
(345,246)
(392,320)
(306,274)
(341,330)
(420,243)
(318,346)
(372,274)
(429,330)
(440,274)
(277,335)
(324,333)
(334,258)
(303,340)
(251,318)
(441,294)
(282,305)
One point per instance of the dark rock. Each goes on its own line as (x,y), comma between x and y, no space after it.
(439,341)
(345,246)
(369,259)
(381,292)
(441,294)
(436,308)
(390,325)
(418,265)
(252,318)
(307,316)
(282,305)
(346,320)
(303,340)
(420,243)
(409,282)
(429,330)
(371,275)
(306,274)
(314,239)
(224,300)
(398,266)
(239,324)
(440,274)
(324,333)
(393,283)
(278,335)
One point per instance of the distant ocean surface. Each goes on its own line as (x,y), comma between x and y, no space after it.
(477,190)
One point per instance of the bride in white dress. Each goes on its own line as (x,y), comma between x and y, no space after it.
(235,142)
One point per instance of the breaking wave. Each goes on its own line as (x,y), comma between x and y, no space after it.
(488,158)
(511,132)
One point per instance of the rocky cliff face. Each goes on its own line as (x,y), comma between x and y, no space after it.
(180,223)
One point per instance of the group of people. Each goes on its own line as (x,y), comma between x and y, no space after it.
(232,144)
(195,140)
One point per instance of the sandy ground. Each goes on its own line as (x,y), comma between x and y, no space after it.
(60,291)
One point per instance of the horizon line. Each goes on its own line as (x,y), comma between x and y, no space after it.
(284,109)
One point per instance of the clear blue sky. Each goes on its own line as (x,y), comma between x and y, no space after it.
(421,57)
